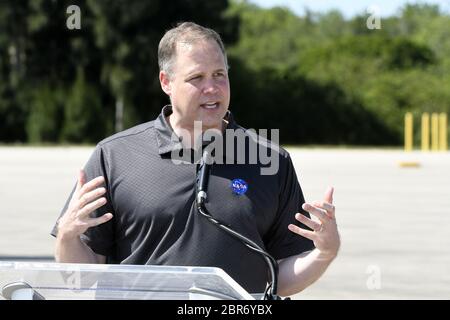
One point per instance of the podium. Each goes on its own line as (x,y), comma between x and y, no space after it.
(64,281)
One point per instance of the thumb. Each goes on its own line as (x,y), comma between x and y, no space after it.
(329,195)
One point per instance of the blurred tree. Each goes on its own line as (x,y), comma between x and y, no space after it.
(414,17)
(82,113)
(116,49)
(331,25)
(289,72)
(13,114)
(128,32)
(305,111)
(46,113)
(403,53)
(268,37)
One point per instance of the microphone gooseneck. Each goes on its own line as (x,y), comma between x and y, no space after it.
(201,199)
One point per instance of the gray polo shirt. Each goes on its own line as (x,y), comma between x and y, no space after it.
(155,220)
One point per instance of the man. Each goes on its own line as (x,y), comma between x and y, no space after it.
(134,205)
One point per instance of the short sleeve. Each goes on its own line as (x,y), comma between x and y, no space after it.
(280,241)
(100,238)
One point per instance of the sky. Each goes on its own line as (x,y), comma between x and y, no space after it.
(349,8)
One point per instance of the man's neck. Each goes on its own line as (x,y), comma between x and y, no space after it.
(189,133)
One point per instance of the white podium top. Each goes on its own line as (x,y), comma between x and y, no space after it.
(55,281)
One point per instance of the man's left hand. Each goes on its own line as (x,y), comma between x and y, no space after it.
(324,232)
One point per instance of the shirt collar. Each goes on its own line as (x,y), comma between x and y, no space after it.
(166,138)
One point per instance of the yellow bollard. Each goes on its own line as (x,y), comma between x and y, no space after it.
(434,131)
(443,132)
(425,132)
(408,131)
(409,142)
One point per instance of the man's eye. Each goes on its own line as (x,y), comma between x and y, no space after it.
(195,78)
(219,74)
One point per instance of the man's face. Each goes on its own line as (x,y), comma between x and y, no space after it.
(198,85)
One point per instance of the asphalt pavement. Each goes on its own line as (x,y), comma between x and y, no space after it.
(394,221)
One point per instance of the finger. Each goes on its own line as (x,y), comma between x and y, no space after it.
(331,209)
(302,232)
(90,207)
(329,195)
(319,213)
(97,221)
(326,206)
(90,196)
(308,222)
(89,186)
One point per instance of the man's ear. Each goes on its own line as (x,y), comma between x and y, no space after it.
(165,82)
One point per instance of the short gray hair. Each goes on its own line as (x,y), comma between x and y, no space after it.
(187,33)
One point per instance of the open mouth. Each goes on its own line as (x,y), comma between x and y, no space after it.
(210,105)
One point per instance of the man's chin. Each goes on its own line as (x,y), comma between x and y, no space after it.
(211,121)
(206,125)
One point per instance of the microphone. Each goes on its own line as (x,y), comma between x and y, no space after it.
(202,186)
(203,177)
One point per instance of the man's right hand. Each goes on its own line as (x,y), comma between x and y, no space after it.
(86,198)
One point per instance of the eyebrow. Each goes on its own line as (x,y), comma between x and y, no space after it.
(194,72)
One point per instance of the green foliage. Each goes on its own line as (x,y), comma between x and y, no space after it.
(60,84)
(364,80)
(319,78)
(83,116)
(304,110)
(13,116)
(405,54)
(277,32)
(46,113)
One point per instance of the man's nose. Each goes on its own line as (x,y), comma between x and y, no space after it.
(210,86)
